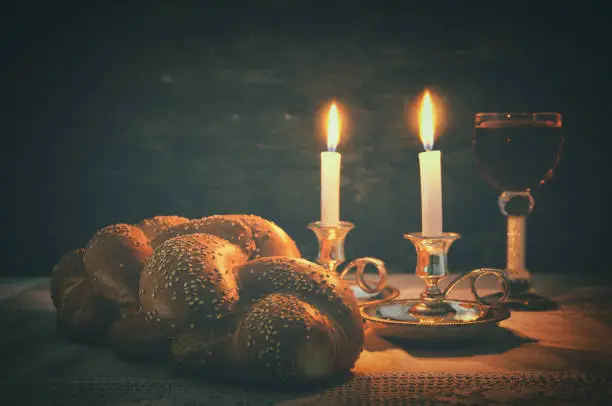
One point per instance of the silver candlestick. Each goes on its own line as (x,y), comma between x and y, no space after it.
(432,267)
(331,255)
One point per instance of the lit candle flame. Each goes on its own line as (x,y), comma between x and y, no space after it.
(427,126)
(333,128)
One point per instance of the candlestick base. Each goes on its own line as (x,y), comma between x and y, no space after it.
(331,256)
(438,309)
(432,267)
(393,320)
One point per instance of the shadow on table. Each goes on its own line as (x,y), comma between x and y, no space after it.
(497,342)
(527,302)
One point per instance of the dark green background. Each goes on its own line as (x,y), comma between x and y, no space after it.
(114,114)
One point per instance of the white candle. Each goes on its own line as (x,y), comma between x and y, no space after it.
(330,188)
(430,163)
(431,192)
(330,172)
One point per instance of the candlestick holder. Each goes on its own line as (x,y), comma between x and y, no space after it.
(432,267)
(331,256)
(434,316)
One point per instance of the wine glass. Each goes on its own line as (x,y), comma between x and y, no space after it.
(517,153)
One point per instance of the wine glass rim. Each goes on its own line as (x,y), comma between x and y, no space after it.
(518,113)
(553,119)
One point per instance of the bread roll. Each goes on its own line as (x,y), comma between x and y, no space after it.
(113,260)
(314,285)
(187,283)
(287,338)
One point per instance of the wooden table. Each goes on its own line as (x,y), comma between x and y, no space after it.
(551,356)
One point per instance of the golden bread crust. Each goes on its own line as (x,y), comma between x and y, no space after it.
(187,283)
(113,260)
(232,230)
(270,239)
(154,226)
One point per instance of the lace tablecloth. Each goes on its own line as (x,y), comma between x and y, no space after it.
(554,357)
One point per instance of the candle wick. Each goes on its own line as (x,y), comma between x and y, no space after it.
(331,149)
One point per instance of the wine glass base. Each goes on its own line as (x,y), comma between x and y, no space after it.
(528,301)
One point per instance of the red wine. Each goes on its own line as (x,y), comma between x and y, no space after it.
(517,155)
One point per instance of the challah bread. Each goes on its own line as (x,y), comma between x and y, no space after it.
(154,226)
(82,314)
(225,296)
(113,260)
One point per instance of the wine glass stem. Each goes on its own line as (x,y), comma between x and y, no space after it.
(516,244)
(517,274)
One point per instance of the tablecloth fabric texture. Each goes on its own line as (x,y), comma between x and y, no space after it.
(561,356)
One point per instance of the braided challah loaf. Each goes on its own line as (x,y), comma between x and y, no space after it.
(224,296)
